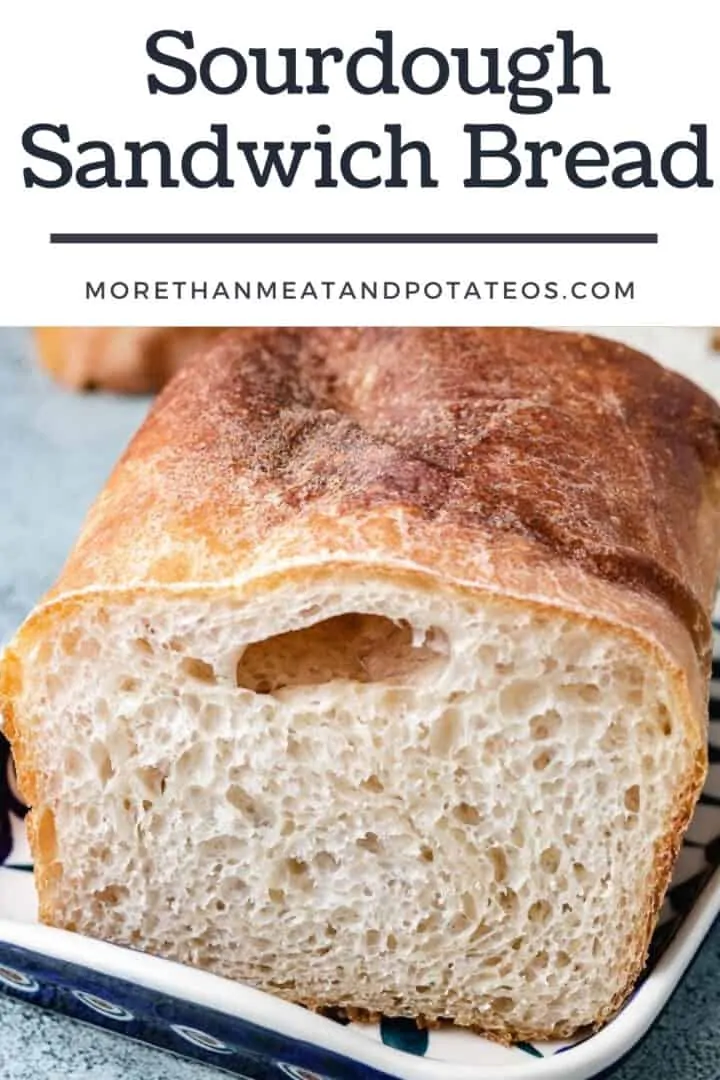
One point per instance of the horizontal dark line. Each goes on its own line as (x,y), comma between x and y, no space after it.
(353,238)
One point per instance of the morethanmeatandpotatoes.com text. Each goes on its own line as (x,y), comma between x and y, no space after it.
(201,291)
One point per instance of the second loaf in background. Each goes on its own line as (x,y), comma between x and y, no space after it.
(133,360)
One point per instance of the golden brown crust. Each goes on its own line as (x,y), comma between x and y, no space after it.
(562,470)
(581,448)
(131,360)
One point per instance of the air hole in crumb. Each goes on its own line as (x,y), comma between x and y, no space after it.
(391,943)
(88,649)
(517,835)
(632,799)
(128,685)
(143,645)
(550,859)
(369,842)
(192,762)
(467,814)
(68,643)
(542,760)
(101,760)
(277,896)
(446,732)
(615,736)
(372,937)
(74,764)
(355,646)
(372,783)
(562,959)
(520,698)
(152,781)
(499,862)
(239,798)
(583,693)
(458,923)
(325,861)
(539,912)
(111,894)
(468,905)
(429,923)
(296,867)
(330,930)
(493,747)
(293,748)
(647,733)
(508,899)
(665,720)
(427,854)
(220,905)
(198,669)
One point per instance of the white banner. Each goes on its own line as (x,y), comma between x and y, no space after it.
(306,163)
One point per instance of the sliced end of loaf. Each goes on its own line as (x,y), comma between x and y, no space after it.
(355,790)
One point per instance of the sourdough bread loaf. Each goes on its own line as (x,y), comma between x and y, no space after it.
(126,359)
(377,678)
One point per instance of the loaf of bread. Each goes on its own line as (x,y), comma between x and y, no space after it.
(378,676)
(133,360)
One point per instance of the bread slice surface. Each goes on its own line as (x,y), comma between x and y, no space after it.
(371,683)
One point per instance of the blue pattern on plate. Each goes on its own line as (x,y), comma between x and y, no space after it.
(171,1023)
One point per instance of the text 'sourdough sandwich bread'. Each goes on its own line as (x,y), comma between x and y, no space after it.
(377,678)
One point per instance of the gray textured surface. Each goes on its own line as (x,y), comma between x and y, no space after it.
(55,451)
